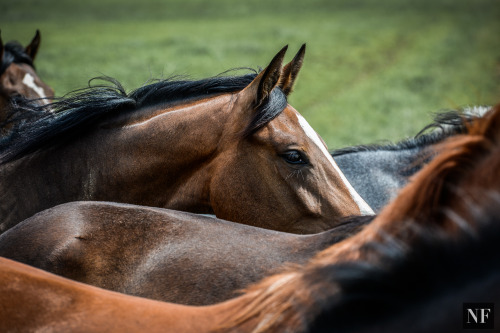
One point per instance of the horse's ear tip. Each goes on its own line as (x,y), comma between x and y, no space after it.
(302,50)
(278,58)
(283,50)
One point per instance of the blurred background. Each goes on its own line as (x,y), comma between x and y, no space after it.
(374,70)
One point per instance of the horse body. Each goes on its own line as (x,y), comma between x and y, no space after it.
(157,253)
(231,146)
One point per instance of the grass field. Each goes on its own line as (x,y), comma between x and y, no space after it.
(374,70)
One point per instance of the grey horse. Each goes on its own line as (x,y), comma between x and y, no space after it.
(378,171)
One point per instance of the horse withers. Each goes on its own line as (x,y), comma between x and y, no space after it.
(231,146)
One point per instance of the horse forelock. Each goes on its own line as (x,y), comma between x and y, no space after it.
(272,107)
(14,53)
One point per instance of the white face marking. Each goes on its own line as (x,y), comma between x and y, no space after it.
(311,133)
(29,80)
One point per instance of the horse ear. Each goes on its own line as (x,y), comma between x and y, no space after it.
(32,48)
(291,70)
(266,80)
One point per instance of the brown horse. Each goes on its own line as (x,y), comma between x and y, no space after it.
(431,249)
(158,253)
(229,146)
(18,76)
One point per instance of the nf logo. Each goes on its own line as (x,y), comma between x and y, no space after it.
(479,315)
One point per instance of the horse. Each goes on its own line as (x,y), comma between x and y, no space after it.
(158,253)
(231,146)
(18,76)
(441,235)
(379,171)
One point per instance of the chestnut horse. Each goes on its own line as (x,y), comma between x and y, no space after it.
(158,253)
(433,248)
(18,76)
(229,146)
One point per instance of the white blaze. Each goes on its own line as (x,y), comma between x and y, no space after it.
(311,133)
(29,80)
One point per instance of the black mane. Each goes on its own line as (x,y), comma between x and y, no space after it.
(68,117)
(14,53)
(445,124)
(409,277)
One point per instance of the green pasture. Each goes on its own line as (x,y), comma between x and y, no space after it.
(374,70)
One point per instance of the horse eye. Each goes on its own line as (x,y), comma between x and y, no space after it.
(294,157)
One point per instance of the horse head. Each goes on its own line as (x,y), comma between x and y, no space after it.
(17,73)
(275,165)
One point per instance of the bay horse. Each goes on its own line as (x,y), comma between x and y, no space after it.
(229,145)
(18,76)
(158,253)
(378,171)
(433,248)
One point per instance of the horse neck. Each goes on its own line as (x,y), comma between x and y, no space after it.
(377,175)
(162,160)
(39,181)
(172,152)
